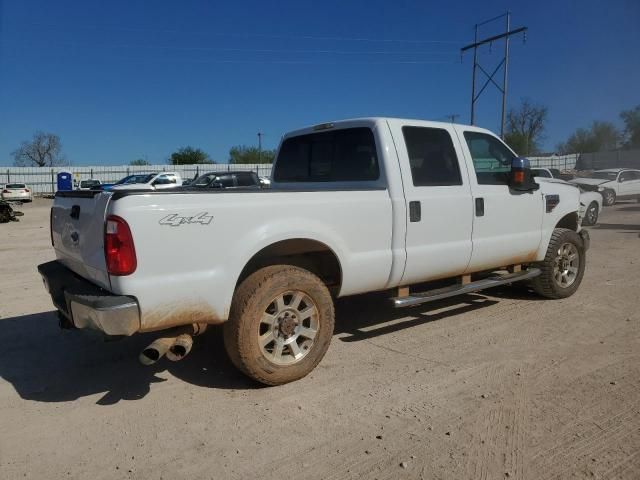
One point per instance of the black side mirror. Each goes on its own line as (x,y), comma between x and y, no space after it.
(520,177)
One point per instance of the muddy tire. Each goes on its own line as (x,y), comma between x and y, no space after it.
(591,214)
(608,198)
(280,324)
(563,266)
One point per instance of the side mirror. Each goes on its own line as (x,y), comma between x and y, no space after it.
(520,177)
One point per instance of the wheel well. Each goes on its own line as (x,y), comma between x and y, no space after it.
(570,221)
(311,255)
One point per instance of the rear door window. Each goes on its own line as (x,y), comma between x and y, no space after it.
(246,179)
(335,156)
(432,157)
(225,181)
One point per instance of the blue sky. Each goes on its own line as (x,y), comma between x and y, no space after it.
(119,80)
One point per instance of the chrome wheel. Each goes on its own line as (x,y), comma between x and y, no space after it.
(609,197)
(288,328)
(566,265)
(592,214)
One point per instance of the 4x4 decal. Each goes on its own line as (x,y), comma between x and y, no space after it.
(175,220)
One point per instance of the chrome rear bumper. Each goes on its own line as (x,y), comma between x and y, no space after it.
(86,305)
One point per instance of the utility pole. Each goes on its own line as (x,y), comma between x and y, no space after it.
(260,147)
(503,63)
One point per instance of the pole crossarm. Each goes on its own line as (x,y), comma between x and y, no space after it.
(493,39)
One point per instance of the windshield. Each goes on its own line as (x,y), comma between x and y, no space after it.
(537,172)
(141,178)
(605,175)
(16,185)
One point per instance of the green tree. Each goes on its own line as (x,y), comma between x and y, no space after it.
(189,156)
(631,134)
(241,154)
(525,127)
(599,137)
(139,162)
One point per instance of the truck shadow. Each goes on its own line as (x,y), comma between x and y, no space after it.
(46,364)
(615,226)
(629,209)
(369,316)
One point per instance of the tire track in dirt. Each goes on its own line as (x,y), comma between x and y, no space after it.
(498,441)
(603,431)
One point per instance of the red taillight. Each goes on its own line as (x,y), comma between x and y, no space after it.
(119,251)
(26,190)
(5,191)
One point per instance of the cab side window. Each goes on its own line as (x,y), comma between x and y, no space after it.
(432,157)
(491,158)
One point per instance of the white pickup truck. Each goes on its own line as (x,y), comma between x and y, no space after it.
(373,204)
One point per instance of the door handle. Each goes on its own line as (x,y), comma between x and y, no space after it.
(415,211)
(75,212)
(479,207)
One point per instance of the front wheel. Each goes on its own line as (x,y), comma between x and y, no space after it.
(563,266)
(609,198)
(280,324)
(591,214)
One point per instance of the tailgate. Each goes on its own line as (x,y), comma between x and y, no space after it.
(77,229)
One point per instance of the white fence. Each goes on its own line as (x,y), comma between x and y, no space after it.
(561,162)
(43,179)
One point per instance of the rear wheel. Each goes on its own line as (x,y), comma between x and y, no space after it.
(609,197)
(591,214)
(563,266)
(280,324)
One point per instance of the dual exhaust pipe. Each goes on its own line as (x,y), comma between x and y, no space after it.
(175,347)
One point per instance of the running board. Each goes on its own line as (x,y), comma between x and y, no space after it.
(440,293)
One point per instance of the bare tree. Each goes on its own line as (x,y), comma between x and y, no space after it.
(525,127)
(43,150)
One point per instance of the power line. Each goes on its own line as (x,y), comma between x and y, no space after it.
(271,61)
(241,35)
(251,50)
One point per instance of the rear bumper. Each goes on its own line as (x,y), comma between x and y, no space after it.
(87,305)
(586,240)
(16,196)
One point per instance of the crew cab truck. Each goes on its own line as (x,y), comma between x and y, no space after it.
(373,204)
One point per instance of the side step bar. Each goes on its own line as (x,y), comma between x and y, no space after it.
(440,293)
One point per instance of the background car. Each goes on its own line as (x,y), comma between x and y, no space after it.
(241,179)
(89,184)
(613,184)
(590,201)
(550,173)
(153,181)
(17,192)
(136,178)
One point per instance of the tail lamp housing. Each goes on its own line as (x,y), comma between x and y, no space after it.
(119,250)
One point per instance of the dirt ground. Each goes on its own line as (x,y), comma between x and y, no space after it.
(489,386)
